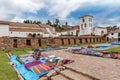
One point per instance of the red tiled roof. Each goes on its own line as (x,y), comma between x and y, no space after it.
(16,26)
(100,27)
(4,22)
(115,31)
(25,29)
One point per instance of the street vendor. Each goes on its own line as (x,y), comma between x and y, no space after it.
(36,54)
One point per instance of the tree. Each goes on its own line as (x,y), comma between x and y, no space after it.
(57,22)
(66,24)
(49,23)
(38,22)
(32,22)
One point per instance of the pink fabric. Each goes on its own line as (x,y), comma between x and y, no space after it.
(28,65)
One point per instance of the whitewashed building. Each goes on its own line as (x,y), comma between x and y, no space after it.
(69,31)
(113,35)
(14,29)
(86,25)
(99,31)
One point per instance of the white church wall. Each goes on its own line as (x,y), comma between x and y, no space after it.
(4,30)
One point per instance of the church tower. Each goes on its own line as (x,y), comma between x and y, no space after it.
(86,25)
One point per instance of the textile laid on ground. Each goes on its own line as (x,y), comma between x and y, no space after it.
(26,74)
(91,51)
(116,43)
(32,69)
(28,65)
(41,68)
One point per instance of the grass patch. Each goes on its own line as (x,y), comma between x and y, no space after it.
(84,44)
(115,49)
(21,51)
(6,70)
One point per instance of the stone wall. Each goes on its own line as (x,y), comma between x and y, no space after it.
(14,42)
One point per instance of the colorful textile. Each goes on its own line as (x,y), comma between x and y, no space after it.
(41,68)
(67,61)
(28,65)
(84,51)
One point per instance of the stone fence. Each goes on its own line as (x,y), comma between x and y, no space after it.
(15,42)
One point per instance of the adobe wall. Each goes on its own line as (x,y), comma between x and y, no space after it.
(14,42)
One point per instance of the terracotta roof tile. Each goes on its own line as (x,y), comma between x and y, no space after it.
(25,30)
(4,22)
(115,31)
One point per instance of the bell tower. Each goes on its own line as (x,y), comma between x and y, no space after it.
(86,25)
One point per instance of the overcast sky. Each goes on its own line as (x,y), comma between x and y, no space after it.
(105,12)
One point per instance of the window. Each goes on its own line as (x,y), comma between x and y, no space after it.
(82,28)
(28,42)
(85,25)
(112,33)
(83,20)
(89,19)
(81,25)
(118,34)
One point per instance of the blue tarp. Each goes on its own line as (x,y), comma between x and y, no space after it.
(116,43)
(105,45)
(27,74)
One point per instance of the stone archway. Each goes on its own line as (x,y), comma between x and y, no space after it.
(107,38)
(29,35)
(34,35)
(15,43)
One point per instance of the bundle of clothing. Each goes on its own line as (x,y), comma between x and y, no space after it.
(90,51)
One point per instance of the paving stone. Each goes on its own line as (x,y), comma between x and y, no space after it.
(74,76)
(51,73)
(59,77)
(98,67)
(43,78)
(57,70)
(61,68)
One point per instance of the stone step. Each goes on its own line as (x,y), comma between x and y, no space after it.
(59,77)
(74,76)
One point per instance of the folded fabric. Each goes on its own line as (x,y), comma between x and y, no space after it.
(67,61)
(28,65)
(41,68)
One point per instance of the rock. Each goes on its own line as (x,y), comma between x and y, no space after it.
(61,68)
(51,73)
(57,70)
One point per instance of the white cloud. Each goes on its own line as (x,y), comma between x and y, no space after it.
(15,9)
(9,9)
(104,22)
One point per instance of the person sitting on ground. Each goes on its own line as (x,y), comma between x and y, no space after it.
(36,54)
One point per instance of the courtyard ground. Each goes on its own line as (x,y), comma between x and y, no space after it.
(90,66)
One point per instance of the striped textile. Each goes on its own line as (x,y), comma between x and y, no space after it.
(41,68)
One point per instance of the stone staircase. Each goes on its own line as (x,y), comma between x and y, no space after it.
(66,73)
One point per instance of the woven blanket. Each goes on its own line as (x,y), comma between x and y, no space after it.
(28,65)
(41,68)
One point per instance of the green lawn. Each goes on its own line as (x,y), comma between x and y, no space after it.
(6,70)
(116,49)
(21,51)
